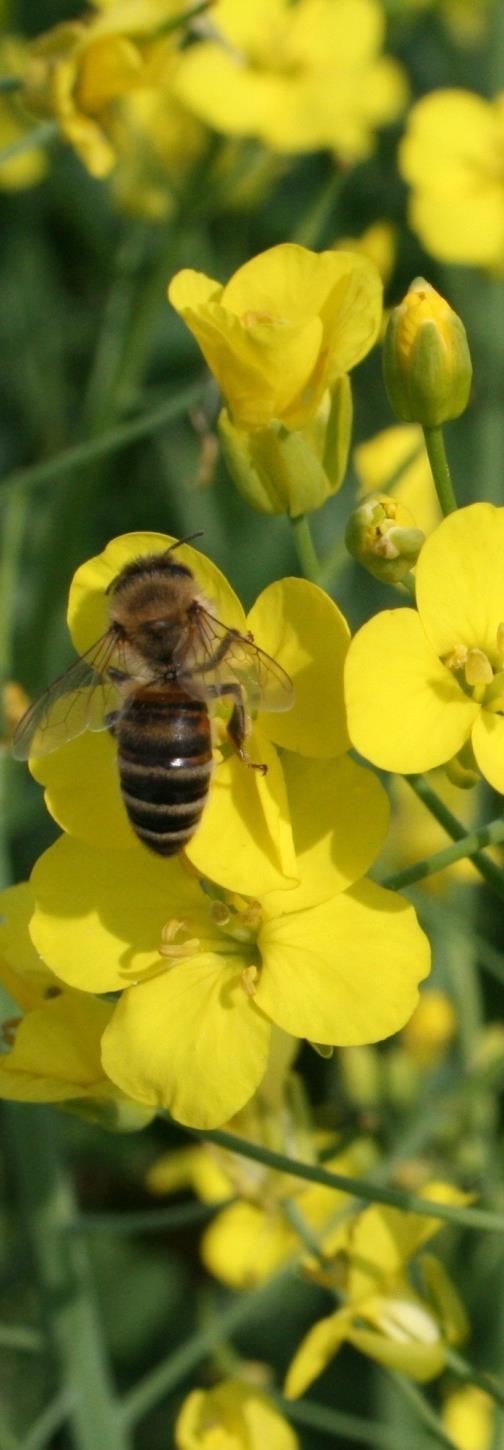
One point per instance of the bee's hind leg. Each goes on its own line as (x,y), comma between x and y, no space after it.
(237,725)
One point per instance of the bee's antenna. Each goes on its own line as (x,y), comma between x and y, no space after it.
(187,540)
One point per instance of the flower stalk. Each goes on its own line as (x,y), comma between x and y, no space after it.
(434,443)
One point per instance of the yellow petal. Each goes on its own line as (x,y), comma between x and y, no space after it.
(383,1240)
(345,971)
(406,711)
(244,841)
(233,1416)
(245,1244)
(298,625)
(459,580)
(421,1362)
(340,815)
(316,1350)
(82,790)
(99,915)
(488,744)
(56,1054)
(22,972)
(190,1040)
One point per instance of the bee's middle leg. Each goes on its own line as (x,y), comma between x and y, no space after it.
(236,726)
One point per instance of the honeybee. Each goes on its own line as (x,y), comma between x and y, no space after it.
(151,680)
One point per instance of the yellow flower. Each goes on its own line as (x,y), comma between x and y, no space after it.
(452,158)
(383,1315)
(78,71)
(400,449)
(378,243)
(297,77)
(421,684)
(156,140)
(431,1029)
(205,973)
(54,1045)
(247,1241)
(283,330)
(244,840)
(233,1416)
(31,166)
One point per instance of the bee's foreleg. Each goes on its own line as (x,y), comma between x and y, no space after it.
(237,724)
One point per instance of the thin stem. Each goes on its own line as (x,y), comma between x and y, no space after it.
(65,1279)
(434,443)
(488,955)
(468,846)
(22,1337)
(313,224)
(423,1409)
(339,1424)
(305,548)
(467,1372)
(38,136)
(359,1188)
(49,1421)
(454,828)
(164,1377)
(150,1220)
(110,442)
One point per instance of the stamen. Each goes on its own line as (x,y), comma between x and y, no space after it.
(477,668)
(249,978)
(170,947)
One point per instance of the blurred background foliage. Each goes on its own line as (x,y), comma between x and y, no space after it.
(90,347)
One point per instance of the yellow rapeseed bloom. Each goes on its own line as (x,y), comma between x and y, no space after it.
(296,77)
(468,1416)
(452,158)
(244,840)
(383,1315)
(232,1416)
(285,328)
(422,684)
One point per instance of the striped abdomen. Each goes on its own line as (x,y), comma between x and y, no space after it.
(165,762)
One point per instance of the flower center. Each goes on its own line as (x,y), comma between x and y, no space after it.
(478,675)
(235,920)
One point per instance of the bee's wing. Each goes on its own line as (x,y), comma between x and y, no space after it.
(84,698)
(224,656)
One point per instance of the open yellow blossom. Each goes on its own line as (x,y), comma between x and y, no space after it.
(232,1416)
(283,330)
(297,77)
(383,1315)
(452,158)
(422,684)
(51,1048)
(244,840)
(79,70)
(203,973)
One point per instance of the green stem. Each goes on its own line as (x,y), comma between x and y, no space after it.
(338,1424)
(358,1188)
(49,1421)
(488,955)
(110,442)
(467,846)
(305,548)
(467,1372)
(10,83)
(454,828)
(164,1377)
(434,443)
(24,1338)
(38,136)
(149,1220)
(65,1279)
(423,1409)
(313,224)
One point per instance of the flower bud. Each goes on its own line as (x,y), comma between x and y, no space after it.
(426,361)
(279,471)
(382,536)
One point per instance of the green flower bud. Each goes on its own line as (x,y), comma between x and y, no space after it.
(426,360)
(279,471)
(381,534)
